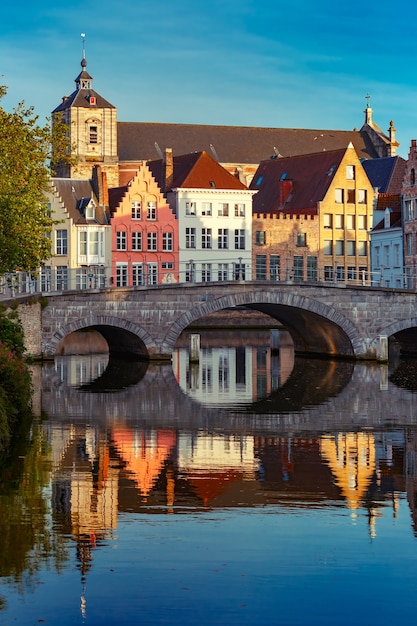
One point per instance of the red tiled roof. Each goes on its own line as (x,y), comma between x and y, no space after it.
(295,183)
(197,170)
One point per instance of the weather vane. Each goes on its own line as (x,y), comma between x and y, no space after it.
(368,97)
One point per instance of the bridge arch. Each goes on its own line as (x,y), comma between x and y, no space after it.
(122,336)
(315,327)
(405,332)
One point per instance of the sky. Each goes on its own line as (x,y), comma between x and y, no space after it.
(269,63)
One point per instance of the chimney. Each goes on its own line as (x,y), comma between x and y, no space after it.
(100,186)
(168,169)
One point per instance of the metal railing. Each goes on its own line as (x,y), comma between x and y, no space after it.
(53,281)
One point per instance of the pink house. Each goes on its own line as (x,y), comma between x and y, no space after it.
(144,233)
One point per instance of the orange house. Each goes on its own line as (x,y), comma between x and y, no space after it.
(144,233)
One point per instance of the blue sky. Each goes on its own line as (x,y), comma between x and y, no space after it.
(294,64)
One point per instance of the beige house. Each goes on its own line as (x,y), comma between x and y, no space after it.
(311,218)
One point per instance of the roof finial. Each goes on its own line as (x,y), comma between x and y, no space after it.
(368,97)
(83,38)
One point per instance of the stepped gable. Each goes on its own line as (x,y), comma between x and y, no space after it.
(233,144)
(75,195)
(294,184)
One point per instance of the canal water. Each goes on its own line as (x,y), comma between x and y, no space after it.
(243,487)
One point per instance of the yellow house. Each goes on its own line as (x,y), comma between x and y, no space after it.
(311,217)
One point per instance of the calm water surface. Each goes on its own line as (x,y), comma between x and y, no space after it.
(246,488)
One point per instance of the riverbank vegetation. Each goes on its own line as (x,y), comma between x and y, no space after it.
(15,380)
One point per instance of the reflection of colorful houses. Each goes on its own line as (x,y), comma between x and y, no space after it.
(351,458)
(212,464)
(143,454)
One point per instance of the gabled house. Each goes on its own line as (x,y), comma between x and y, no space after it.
(214,213)
(311,216)
(81,236)
(144,233)
(386,240)
(409,211)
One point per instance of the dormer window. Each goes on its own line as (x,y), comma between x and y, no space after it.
(90,211)
(92,100)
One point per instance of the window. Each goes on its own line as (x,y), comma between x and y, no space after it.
(152,273)
(121,240)
(408,210)
(136,210)
(121,275)
(190,236)
(351,272)
(239,210)
(62,241)
(362,196)
(136,240)
(206,208)
(206,272)
(339,247)
(351,196)
(361,222)
(328,272)
(339,196)
(328,220)
(351,248)
(239,271)
(167,242)
(413,176)
(90,211)
(298,267)
(311,268)
(223,271)
(339,221)
(239,239)
(328,247)
(350,222)
(362,248)
(223,210)
(409,244)
(94,243)
(93,134)
(206,238)
(190,208)
(62,277)
(301,239)
(260,266)
(167,265)
(340,273)
(350,172)
(151,213)
(396,254)
(274,266)
(138,277)
(152,242)
(386,256)
(223,239)
(377,257)
(260,237)
(83,242)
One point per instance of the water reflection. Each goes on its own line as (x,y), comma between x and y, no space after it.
(308,474)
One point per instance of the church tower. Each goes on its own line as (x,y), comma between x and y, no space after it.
(92,123)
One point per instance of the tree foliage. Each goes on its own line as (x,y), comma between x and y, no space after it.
(25,156)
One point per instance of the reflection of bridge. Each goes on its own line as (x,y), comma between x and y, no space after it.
(329,320)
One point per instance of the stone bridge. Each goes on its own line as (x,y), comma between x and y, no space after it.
(323,319)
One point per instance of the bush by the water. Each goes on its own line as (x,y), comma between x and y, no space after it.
(15,382)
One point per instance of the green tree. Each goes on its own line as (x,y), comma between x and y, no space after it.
(25,157)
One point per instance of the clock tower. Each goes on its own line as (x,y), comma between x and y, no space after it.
(92,123)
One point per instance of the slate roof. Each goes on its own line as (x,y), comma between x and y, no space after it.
(232,144)
(386,173)
(81,98)
(395,222)
(304,179)
(197,170)
(75,195)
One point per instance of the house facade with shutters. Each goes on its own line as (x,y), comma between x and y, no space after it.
(214,213)
(144,233)
(311,217)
